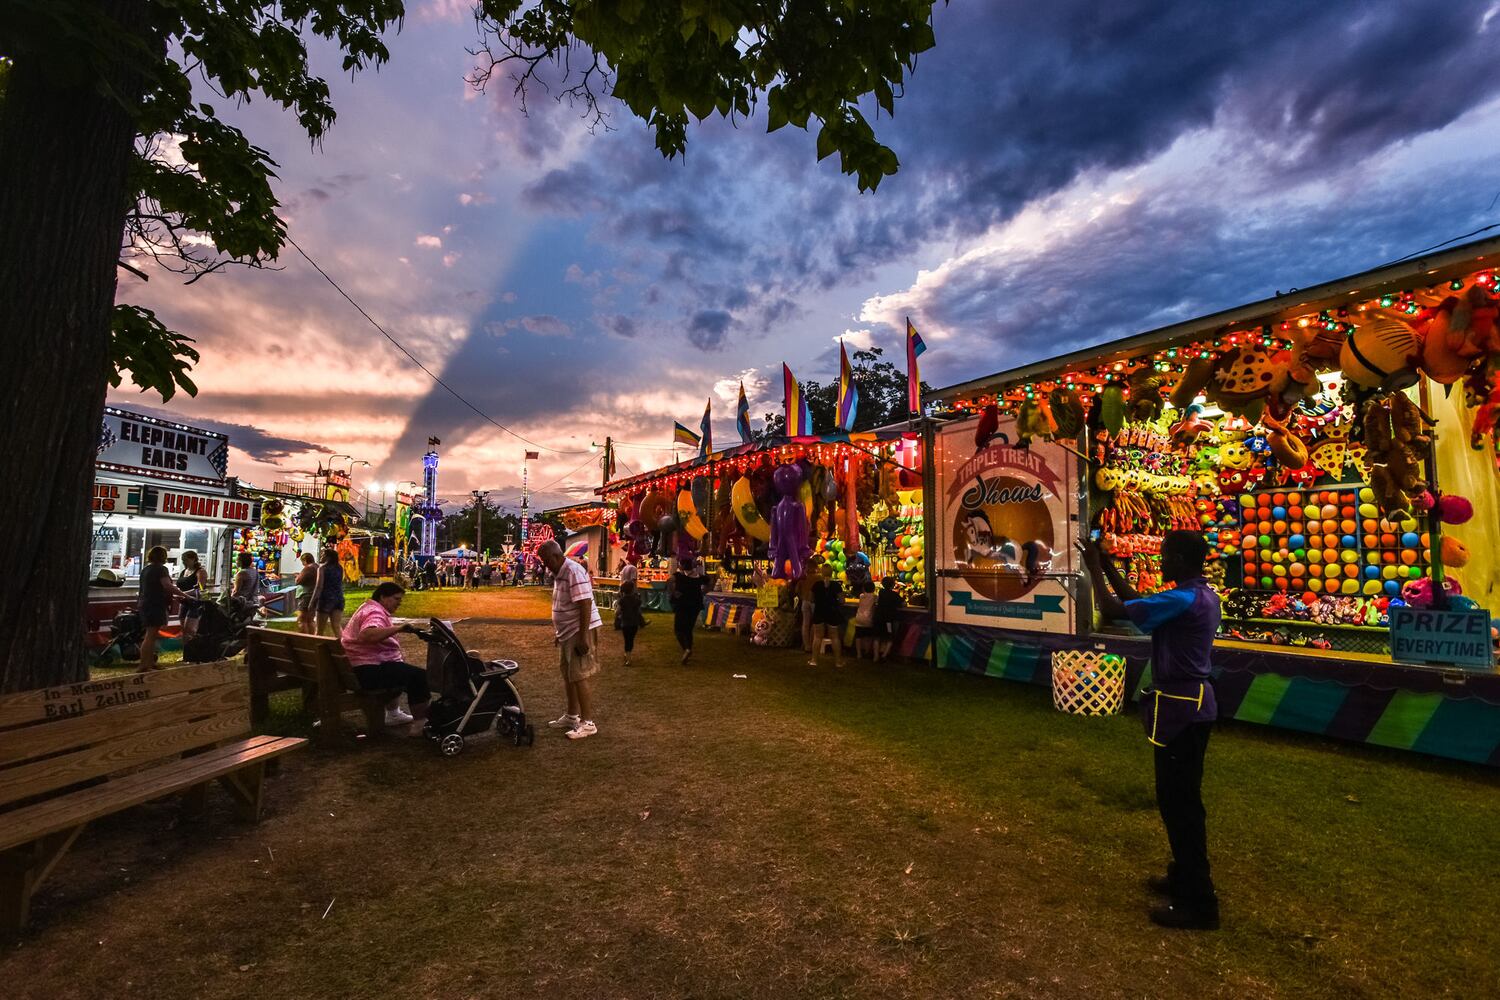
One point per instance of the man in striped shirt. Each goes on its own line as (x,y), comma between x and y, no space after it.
(575,618)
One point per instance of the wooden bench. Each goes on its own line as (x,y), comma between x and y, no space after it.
(278,660)
(70,755)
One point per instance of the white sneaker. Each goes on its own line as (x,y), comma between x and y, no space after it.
(564,721)
(397,717)
(581,730)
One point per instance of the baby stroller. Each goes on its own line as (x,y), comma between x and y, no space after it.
(473,695)
(221,630)
(126,630)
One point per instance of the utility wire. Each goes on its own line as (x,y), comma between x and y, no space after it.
(430,374)
(1439,246)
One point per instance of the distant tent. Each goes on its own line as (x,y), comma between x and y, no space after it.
(458,553)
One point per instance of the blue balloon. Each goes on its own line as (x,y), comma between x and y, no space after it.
(861,559)
(1297,541)
(1372,572)
(1347,541)
(1411,540)
(1279,513)
(1393,587)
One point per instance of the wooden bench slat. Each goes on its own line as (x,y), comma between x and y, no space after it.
(28,707)
(114,755)
(32,822)
(31,742)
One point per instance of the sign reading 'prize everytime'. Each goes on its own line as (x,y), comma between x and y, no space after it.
(1446,638)
(159,449)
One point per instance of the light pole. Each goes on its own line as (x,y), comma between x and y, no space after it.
(479,497)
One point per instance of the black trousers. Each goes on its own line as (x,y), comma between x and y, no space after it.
(629,632)
(394,674)
(1179,797)
(683,623)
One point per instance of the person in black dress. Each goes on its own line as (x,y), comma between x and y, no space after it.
(628,616)
(192,580)
(156,593)
(828,616)
(888,605)
(686,592)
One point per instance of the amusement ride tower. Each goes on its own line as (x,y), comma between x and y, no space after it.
(429,508)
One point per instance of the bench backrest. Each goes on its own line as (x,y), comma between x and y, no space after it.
(297,654)
(54,738)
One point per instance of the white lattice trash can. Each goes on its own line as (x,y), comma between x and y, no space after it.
(1087,683)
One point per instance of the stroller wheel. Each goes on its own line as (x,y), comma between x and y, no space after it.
(452,745)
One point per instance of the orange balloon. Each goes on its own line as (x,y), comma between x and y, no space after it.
(1331,585)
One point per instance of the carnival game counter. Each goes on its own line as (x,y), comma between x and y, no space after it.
(1359,697)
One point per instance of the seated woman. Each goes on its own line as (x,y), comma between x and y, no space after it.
(369,640)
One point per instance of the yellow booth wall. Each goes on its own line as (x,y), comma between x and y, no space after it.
(1469,473)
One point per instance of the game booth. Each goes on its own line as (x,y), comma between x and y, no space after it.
(1336,444)
(752,512)
(295,519)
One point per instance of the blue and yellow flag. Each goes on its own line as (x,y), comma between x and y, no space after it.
(742,417)
(798,419)
(848,405)
(914,349)
(706,439)
(681,435)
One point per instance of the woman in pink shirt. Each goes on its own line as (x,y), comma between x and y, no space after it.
(369,640)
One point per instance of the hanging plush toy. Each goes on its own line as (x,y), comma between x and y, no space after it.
(1067,413)
(1112,407)
(1187,430)
(1286,447)
(789,526)
(1242,381)
(989,423)
(1194,380)
(1379,355)
(1395,429)
(1145,384)
(1033,420)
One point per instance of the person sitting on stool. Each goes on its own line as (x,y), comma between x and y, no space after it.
(1178,710)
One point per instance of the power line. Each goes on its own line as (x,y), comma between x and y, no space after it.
(1439,246)
(430,374)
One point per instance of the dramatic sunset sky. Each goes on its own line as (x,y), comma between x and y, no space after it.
(1071,172)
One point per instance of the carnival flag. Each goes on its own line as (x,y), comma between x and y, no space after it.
(681,435)
(742,417)
(531,455)
(798,423)
(914,349)
(706,442)
(848,393)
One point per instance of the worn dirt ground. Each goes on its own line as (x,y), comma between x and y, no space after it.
(885,831)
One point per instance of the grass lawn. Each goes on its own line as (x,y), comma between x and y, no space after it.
(884,831)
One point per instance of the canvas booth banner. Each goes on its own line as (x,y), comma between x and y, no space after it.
(1006,521)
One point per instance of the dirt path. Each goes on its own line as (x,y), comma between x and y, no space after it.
(717,839)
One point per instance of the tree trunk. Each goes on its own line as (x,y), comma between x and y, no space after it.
(64,152)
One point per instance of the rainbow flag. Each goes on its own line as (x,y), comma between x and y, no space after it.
(914,349)
(706,445)
(681,435)
(742,417)
(848,404)
(798,417)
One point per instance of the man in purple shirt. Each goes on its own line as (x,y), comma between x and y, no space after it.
(1178,710)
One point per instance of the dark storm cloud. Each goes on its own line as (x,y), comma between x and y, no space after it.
(617,324)
(1163,260)
(1014,104)
(260,445)
(708,328)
